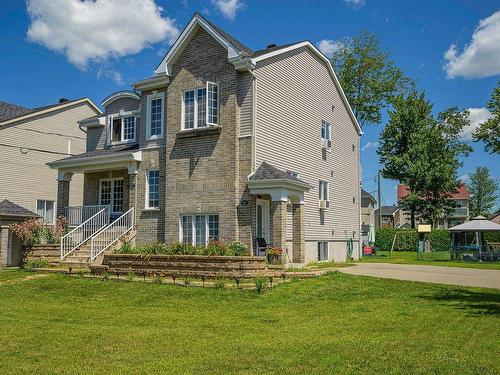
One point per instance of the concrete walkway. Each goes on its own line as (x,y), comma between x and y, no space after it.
(473,277)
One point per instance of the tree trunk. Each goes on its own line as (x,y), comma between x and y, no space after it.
(412,215)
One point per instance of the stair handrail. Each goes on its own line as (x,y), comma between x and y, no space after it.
(106,237)
(83,232)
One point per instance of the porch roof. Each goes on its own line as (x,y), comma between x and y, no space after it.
(112,158)
(279,184)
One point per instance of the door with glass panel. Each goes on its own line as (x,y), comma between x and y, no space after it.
(111,194)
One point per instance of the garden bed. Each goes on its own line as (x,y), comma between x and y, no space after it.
(184,265)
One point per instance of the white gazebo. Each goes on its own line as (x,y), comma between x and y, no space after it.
(477,226)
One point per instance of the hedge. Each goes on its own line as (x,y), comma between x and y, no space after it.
(407,239)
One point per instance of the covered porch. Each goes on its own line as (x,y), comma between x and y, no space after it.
(109,181)
(275,190)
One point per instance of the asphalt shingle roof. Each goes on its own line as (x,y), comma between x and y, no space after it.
(388,210)
(267,171)
(109,151)
(7,208)
(9,111)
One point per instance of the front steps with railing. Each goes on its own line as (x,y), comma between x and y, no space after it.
(87,242)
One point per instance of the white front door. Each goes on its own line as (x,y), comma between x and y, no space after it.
(111,194)
(262,221)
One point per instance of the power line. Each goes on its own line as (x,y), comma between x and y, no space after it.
(49,133)
(28,149)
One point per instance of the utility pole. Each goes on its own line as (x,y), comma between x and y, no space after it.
(379,202)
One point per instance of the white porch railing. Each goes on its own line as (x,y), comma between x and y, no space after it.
(76,215)
(110,234)
(77,236)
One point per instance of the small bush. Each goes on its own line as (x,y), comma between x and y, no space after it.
(157,279)
(187,281)
(125,248)
(130,276)
(216,248)
(260,284)
(33,231)
(237,248)
(37,263)
(105,276)
(220,283)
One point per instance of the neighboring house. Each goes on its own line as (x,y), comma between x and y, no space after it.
(367,215)
(390,217)
(30,138)
(458,216)
(495,218)
(231,144)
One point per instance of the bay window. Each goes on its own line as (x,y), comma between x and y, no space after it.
(199,229)
(200,107)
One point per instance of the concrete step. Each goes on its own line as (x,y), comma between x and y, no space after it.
(76,259)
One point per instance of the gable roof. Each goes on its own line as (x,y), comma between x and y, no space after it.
(365,194)
(7,208)
(387,210)
(461,193)
(24,113)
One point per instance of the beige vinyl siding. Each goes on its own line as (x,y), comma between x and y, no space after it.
(25,177)
(96,138)
(295,92)
(245,103)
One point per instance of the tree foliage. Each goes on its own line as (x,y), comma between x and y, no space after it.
(483,189)
(368,76)
(423,153)
(489,131)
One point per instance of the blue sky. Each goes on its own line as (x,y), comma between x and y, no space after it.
(42,58)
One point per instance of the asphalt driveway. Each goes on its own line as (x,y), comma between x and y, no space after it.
(473,277)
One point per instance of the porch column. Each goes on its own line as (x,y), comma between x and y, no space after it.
(132,187)
(278,215)
(4,245)
(63,184)
(299,240)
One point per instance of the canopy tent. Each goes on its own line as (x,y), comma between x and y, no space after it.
(479,225)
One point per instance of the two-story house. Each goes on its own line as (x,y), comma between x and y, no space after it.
(228,143)
(459,215)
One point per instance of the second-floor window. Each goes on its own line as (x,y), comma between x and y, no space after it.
(326,129)
(122,129)
(200,110)
(155,116)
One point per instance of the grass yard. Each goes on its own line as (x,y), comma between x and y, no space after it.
(432,259)
(329,325)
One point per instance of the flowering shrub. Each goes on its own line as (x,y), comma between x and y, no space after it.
(33,231)
(275,251)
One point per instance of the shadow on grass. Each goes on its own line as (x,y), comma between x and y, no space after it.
(474,303)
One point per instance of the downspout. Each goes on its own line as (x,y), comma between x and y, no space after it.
(360,251)
(254,119)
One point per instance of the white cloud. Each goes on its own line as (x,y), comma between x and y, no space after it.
(99,29)
(355,3)
(476,116)
(114,75)
(370,145)
(329,47)
(481,57)
(228,8)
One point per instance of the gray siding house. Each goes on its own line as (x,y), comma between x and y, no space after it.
(231,144)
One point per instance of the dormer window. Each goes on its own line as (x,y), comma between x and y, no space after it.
(122,128)
(155,116)
(200,110)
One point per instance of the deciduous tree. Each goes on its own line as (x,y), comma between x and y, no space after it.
(489,132)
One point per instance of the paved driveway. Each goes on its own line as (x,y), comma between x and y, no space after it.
(430,274)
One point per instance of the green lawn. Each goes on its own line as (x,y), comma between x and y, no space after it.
(329,325)
(432,259)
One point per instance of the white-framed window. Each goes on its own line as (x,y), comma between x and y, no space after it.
(153,189)
(155,115)
(200,107)
(121,128)
(199,229)
(293,173)
(326,133)
(322,251)
(111,194)
(386,219)
(45,209)
(324,190)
